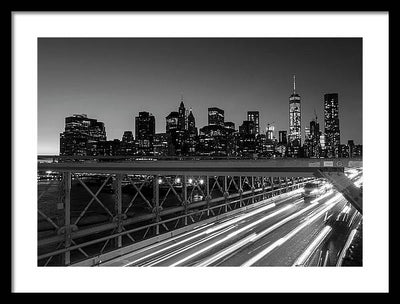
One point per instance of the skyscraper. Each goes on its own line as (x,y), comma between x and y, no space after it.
(181,130)
(254,116)
(269,131)
(332,131)
(182,120)
(247,143)
(283,137)
(144,132)
(216,116)
(127,137)
(191,124)
(315,133)
(229,125)
(192,133)
(247,127)
(81,135)
(172,121)
(127,146)
(294,138)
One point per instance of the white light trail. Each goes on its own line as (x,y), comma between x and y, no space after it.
(167,248)
(161,243)
(258,236)
(329,204)
(346,246)
(228,250)
(313,246)
(231,235)
(187,247)
(359,182)
(352,218)
(208,231)
(326,258)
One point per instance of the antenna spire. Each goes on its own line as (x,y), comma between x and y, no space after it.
(294,84)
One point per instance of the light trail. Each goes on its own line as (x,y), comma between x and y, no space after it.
(346,246)
(234,247)
(187,247)
(166,248)
(161,243)
(352,218)
(329,204)
(231,235)
(313,246)
(228,250)
(208,231)
(326,258)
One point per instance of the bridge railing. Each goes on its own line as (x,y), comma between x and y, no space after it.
(107,217)
(130,158)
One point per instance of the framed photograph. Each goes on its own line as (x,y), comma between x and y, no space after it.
(208,152)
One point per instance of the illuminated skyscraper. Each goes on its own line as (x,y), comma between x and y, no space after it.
(81,135)
(191,124)
(216,116)
(269,131)
(332,131)
(127,146)
(294,137)
(182,121)
(283,137)
(254,116)
(144,132)
(315,134)
(192,132)
(181,130)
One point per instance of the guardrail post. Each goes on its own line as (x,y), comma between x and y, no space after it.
(67,216)
(287,184)
(226,194)
(184,192)
(156,201)
(252,189)
(272,185)
(118,206)
(208,197)
(263,187)
(240,192)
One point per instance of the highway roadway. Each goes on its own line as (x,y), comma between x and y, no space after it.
(286,231)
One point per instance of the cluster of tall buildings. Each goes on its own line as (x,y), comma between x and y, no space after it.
(86,136)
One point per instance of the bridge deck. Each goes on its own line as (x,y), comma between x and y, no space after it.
(265,167)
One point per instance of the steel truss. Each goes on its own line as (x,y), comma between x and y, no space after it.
(158,204)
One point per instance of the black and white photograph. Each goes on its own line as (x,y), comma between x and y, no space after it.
(227,153)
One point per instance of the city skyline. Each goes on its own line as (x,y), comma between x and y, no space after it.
(113,105)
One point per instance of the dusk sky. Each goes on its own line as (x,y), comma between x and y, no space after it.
(113,79)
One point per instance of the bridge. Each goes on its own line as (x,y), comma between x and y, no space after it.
(93,210)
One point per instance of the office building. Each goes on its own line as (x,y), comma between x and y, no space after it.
(332,131)
(215,116)
(81,135)
(254,116)
(294,137)
(144,132)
